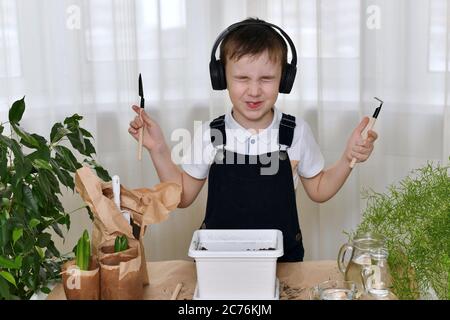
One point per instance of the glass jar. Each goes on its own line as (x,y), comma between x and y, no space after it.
(359,249)
(377,278)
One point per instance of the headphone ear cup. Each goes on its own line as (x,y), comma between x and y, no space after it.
(217,74)
(288,78)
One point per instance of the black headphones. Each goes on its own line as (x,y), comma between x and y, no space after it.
(217,69)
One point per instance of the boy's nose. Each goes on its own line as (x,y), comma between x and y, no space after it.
(254,89)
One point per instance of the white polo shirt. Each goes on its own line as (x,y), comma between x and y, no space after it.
(305,155)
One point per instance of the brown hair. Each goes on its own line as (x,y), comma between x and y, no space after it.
(253,40)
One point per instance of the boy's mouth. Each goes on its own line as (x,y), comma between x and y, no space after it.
(254,104)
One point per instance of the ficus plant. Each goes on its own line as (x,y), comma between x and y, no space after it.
(83,251)
(32,171)
(121,243)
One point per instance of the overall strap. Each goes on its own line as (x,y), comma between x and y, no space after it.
(218,124)
(286,131)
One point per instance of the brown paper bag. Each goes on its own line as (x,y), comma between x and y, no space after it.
(79,284)
(146,206)
(120,272)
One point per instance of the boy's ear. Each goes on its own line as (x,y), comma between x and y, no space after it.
(217,74)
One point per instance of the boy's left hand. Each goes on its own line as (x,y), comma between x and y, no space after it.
(357,147)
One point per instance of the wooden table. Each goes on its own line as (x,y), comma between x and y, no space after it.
(295,279)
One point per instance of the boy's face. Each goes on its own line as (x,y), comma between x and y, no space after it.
(253,83)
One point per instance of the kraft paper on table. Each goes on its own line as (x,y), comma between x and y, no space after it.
(146,206)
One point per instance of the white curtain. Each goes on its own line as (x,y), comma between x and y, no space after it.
(85,57)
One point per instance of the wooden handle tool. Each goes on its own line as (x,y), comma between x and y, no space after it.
(369,127)
(141,130)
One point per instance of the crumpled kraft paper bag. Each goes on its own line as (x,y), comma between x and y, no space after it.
(146,206)
(120,275)
(79,284)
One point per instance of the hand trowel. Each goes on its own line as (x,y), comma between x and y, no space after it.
(126,214)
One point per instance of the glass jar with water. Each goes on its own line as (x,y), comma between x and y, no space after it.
(356,255)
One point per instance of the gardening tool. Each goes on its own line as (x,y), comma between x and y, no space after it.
(141,130)
(369,126)
(116,193)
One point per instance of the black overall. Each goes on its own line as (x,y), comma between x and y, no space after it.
(240,197)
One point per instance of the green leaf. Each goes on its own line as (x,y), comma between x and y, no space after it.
(44,185)
(42,164)
(66,159)
(17,234)
(3,163)
(45,290)
(101,173)
(89,148)
(28,139)
(34,222)
(86,133)
(17,150)
(64,177)
(40,139)
(67,221)
(40,252)
(52,249)
(18,261)
(4,289)
(17,110)
(43,240)
(73,121)
(8,277)
(58,132)
(54,183)
(77,141)
(29,199)
(40,154)
(42,143)
(9,264)
(19,162)
(83,251)
(4,234)
(2,128)
(58,231)
(90,213)
(121,243)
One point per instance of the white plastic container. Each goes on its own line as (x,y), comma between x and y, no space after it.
(236,264)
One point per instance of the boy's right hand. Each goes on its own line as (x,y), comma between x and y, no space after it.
(153,138)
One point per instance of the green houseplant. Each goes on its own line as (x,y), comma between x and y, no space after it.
(83,251)
(32,169)
(121,243)
(414,216)
(81,276)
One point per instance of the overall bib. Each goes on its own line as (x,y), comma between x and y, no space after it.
(240,197)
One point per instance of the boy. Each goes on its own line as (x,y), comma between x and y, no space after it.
(253,155)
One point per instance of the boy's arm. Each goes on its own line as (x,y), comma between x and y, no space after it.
(167,170)
(327,183)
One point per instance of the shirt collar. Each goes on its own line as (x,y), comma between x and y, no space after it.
(242,135)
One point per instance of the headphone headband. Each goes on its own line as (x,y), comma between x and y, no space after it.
(217,69)
(234,26)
